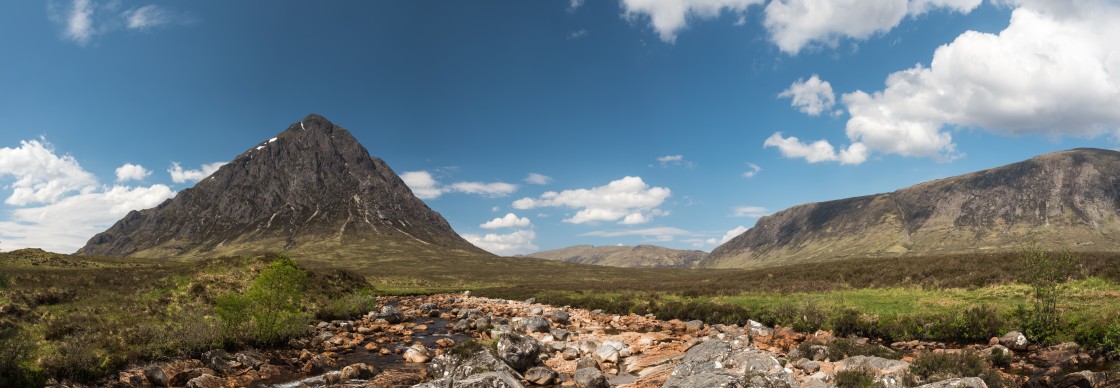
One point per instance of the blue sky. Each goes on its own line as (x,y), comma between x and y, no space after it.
(673,122)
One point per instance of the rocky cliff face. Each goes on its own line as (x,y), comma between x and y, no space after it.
(312,189)
(1066,200)
(641,256)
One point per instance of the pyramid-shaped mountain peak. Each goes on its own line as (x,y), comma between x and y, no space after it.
(313,190)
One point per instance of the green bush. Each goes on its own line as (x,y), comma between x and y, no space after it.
(1000,358)
(16,362)
(856,378)
(270,311)
(348,306)
(1099,337)
(979,324)
(5,283)
(933,367)
(80,359)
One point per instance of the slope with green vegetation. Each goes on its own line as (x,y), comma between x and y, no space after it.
(1065,200)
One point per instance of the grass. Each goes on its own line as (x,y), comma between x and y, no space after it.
(123,310)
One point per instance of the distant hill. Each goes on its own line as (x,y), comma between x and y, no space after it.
(312,190)
(641,256)
(1065,200)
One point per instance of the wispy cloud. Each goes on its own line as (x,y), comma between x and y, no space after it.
(752,170)
(749,211)
(425,186)
(83,20)
(577,34)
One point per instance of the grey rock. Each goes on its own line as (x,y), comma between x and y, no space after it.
(968,382)
(607,354)
(536,311)
(560,316)
(206,381)
(756,329)
(465,360)
(881,366)
(156,376)
(1015,341)
(590,378)
(482,380)
(391,314)
(536,325)
(518,351)
(539,375)
(693,326)
(587,346)
(560,334)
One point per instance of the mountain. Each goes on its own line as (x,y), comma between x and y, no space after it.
(1065,200)
(641,256)
(312,190)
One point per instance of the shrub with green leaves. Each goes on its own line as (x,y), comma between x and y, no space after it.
(270,311)
(933,367)
(1044,272)
(348,306)
(16,362)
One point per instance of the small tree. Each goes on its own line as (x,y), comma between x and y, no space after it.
(270,309)
(1044,272)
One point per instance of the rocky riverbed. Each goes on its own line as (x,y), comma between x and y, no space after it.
(464,341)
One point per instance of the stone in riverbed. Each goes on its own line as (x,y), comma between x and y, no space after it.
(519,351)
(359,371)
(206,381)
(417,354)
(539,375)
(536,325)
(590,378)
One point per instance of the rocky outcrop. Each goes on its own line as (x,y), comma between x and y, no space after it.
(1066,200)
(312,190)
(641,256)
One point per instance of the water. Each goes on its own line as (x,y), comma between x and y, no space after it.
(436,330)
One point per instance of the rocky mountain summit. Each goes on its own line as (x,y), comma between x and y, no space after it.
(641,256)
(312,190)
(455,340)
(1067,200)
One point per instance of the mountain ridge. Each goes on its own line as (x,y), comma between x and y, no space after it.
(638,256)
(1062,200)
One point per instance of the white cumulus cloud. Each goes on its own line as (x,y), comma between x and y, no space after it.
(796,24)
(735,232)
(181,175)
(40,175)
(667,17)
(517,242)
(66,225)
(510,220)
(812,96)
(537,179)
(132,172)
(817,151)
(749,211)
(628,200)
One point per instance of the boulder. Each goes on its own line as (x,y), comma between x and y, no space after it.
(606,354)
(482,380)
(206,381)
(881,366)
(539,375)
(518,351)
(590,378)
(713,379)
(1015,341)
(693,326)
(359,371)
(968,382)
(466,359)
(587,346)
(156,376)
(392,315)
(536,325)
(417,353)
(560,334)
(560,317)
(756,329)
